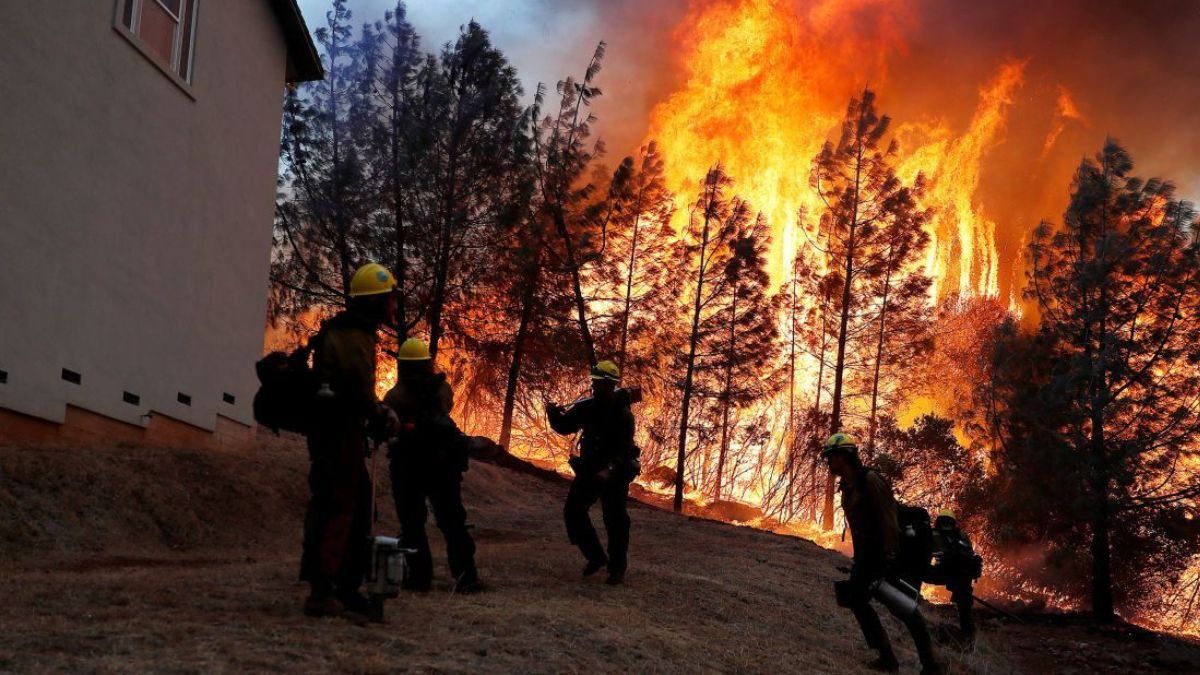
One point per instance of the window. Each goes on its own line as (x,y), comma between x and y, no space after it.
(164,28)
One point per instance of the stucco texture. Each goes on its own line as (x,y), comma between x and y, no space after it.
(135,217)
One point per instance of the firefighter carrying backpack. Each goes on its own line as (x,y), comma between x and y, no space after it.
(287,391)
(916,543)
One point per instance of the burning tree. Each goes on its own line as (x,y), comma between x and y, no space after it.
(713,222)
(739,342)
(1103,397)
(872,230)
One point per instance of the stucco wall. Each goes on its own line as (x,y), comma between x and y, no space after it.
(135,220)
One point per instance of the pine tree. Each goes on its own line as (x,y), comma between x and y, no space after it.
(740,338)
(562,159)
(641,241)
(392,56)
(469,119)
(326,200)
(866,206)
(899,293)
(1111,409)
(713,221)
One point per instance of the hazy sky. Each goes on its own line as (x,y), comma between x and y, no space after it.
(546,40)
(538,36)
(1131,65)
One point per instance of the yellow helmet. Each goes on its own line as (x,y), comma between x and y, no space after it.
(947,513)
(606,370)
(413,350)
(371,279)
(840,442)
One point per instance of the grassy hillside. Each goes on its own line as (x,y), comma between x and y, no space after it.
(133,558)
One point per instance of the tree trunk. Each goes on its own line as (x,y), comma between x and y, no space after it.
(790,465)
(629,281)
(1102,592)
(518,353)
(840,365)
(560,224)
(442,266)
(726,395)
(398,223)
(887,283)
(693,338)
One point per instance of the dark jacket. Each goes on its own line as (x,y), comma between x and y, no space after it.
(423,403)
(871,514)
(344,358)
(608,427)
(955,556)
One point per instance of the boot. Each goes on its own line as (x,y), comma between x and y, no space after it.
(321,606)
(355,606)
(886,662)
(320,602)
(470,587)
(594,566)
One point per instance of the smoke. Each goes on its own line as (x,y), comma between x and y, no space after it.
(1092,68)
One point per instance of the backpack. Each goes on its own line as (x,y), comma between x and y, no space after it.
(916,542)
(287,391)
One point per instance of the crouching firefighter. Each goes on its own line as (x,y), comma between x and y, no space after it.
(337,523)
(427,459)
(956,566)
(871,514)
(605,466)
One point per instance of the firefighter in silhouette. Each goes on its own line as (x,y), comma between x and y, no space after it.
(337,522)
(956,566)
(871,514)
(427,459)
(606,464)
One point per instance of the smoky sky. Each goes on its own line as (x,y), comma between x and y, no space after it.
(1131,67)
(548,40)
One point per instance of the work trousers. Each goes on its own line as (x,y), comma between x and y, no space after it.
(338,519)
(586,489)
(417,480)
(872,627)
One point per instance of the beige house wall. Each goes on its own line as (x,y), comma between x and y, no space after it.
(135,216)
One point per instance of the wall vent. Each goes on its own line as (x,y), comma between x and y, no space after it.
(3,377)
(71,376)
(229,398)
(131,398)
(184,398)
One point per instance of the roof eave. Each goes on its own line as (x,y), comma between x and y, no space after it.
(303,63)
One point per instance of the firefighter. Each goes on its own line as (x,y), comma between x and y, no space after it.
(427,461)
(604,468)
(871,514)
(956,567)
(337,523)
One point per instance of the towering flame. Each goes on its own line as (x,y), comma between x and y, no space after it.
(767,81)
(963,239)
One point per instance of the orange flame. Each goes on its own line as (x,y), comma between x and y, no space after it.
(767,82)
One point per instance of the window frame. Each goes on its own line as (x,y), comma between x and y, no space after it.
(183,81)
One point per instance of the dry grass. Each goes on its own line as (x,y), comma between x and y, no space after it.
(133,559)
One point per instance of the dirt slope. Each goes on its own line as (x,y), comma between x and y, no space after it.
(137,559)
